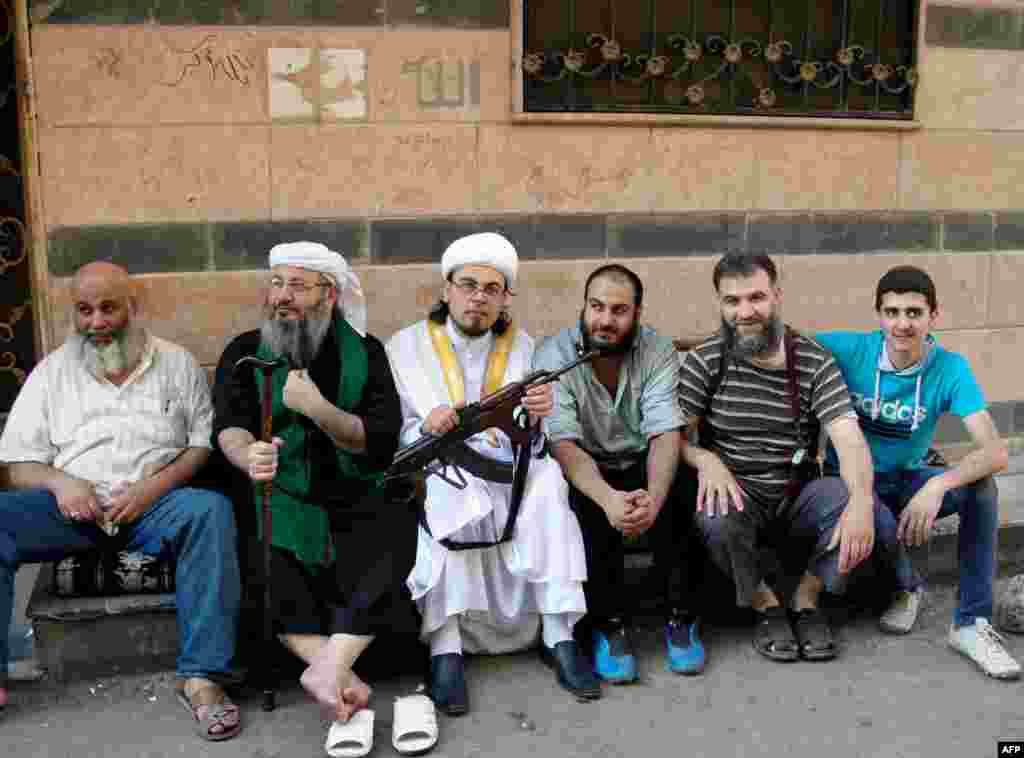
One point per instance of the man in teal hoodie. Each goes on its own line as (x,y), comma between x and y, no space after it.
(901,381)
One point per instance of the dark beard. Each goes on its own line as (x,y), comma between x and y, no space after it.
(756,345)
(297,341)
(623,347)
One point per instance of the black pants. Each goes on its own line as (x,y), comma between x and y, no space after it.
(678,552)
(363,593)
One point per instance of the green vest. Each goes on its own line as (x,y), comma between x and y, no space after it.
(298,525)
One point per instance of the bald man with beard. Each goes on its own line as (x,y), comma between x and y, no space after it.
(101,444)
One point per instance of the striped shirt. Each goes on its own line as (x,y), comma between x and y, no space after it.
(751,415)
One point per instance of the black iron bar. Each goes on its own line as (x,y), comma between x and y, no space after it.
(878,52)
(844,41)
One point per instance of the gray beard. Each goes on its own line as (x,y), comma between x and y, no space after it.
(120,355)
(297,341)
(759,345)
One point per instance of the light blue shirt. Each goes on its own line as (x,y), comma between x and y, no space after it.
(898,410)
(615,431)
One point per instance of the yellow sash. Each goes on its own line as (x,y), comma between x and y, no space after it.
(497,363)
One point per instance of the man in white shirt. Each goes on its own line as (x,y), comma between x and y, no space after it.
(492,599)
(101,444)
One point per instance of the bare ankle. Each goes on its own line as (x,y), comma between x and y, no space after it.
(764,599)
(195,683)
(807,593)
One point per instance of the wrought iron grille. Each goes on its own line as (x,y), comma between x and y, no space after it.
(821,58)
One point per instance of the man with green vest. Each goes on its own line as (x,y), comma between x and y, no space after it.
(342,543)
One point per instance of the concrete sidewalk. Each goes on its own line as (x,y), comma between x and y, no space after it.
(885,696)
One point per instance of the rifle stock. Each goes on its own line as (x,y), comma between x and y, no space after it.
(494,410)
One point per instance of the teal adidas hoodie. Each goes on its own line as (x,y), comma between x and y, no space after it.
(898,410)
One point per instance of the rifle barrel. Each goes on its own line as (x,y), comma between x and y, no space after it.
(419,454)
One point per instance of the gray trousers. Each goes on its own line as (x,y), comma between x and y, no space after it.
(734,541)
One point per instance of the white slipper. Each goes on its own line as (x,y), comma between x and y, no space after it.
(353,738)
(414,727)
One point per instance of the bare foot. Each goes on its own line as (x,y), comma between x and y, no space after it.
(336,688)
(320,680)
(3,696)
(355,695)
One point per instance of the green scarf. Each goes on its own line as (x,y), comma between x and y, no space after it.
(298,525)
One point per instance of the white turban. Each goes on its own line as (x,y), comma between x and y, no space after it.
(313,256)
(483,249)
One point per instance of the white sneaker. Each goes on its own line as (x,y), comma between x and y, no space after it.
(983,645)
(900,616)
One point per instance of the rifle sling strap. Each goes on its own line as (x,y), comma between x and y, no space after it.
(479,465)
(518,481)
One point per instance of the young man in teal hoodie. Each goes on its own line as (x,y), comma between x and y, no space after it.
(901,381)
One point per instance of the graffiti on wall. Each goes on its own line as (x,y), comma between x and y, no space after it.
(444,83)
(210,58)
(314,84)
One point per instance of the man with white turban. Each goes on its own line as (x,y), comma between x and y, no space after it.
(501,596)
(342,542)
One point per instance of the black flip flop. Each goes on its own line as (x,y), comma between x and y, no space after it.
(773,636)
(815,636)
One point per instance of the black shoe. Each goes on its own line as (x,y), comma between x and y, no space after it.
(574,672)
(448,684)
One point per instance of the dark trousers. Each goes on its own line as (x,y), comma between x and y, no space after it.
(678,552)
(363,593)
(800,528)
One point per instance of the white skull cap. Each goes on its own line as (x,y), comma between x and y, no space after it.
(482,249)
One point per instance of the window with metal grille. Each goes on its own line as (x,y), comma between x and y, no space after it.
(812,58)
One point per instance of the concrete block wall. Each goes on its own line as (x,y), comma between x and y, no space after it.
(186,146)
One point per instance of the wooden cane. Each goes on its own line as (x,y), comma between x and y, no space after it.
(266,515)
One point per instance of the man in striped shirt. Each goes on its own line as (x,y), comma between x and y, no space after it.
(762,391)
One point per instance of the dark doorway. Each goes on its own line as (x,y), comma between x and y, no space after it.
(17,346)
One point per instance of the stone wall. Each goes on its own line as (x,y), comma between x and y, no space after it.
(186,146)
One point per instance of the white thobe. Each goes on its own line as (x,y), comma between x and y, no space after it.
(496,593)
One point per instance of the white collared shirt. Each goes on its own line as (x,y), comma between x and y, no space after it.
(472,353)
(66,417)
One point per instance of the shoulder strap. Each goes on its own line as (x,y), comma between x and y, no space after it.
(793,386)
(716,382)
(704,431)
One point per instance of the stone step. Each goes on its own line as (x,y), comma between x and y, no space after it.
(94,636)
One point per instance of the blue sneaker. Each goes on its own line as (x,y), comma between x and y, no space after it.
(685,649)
(613,655)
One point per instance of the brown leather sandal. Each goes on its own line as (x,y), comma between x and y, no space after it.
(216,717)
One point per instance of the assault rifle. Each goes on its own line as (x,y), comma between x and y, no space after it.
(435,454)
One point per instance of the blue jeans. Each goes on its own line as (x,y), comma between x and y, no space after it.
(194,527)
(978,506)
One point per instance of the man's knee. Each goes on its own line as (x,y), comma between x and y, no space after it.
(821,504)
(733,530)
(985,490)
(17,507)
(210,509)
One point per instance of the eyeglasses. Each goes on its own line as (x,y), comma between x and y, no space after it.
(468,287)
(295,286)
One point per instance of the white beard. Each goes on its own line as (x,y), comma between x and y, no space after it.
(112,359)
